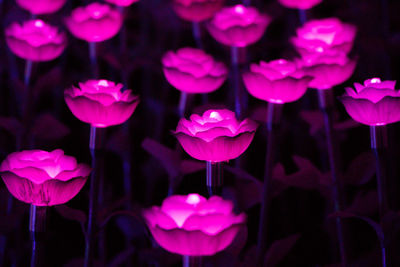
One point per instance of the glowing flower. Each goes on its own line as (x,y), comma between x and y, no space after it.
(327,69)
(95,22)
(300,4)
(279,81)
(39,7)
(216,136)
(197,10)
(375,102)
(43,178)
(35,40)
(318,36)
(194,226)
(101,103)
(238,25)
(123,3)
(193,71)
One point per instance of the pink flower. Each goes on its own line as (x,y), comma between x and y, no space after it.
(95,22)
(279,81)
(238,25)
(123,3)
(216,136)
(194,226)
(101,103)
(43,178)
(318,36)
(193,71)
(35,40)
(374,103)
(327,69)
(39,7)
(299,4)
(197,10)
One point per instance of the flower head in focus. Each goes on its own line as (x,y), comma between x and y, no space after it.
(39,7)
(197,10)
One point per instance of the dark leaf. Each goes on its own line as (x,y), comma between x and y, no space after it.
(71,214)
(49,81)
(11,125)
(121,257)
(365,203)
(119,142)
(361,170)
(191,166)
(279,249)
(45,125)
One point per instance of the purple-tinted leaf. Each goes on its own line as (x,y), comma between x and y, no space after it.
(11,125)
(119,142)
(239,242)
(260,114)
(361,170)
(45,125)
(168,157)
(314,118)
(121,257)
(49,80)
(71,214)
(345,125)
(365,203)
(279,249)
(191,166)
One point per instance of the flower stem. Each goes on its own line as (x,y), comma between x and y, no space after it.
(236,80)
(37,226)
(215,178)
(273,118)
(325,100)
(93,59)
(28,72)
(182,104)
(196,30)
(191,261)
(302,16)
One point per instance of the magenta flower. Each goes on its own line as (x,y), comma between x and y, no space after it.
(318,36)
(123,3)
(279,81)
(193,71)
(194,226)
(39,7)
(238,25)
(374,103)
(35,40)
(95,22)
(197,10)
(216,136)
(101,103)
(43,178)
(299,4)
(327,69)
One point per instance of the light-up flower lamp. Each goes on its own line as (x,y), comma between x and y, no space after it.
(42,179)
(193,226)
(277,82)
(39,7)
(122,3)
(301,5)
(376,103)
(319,36)
(94,23)
(100,103)
(215,137)
(193,71)
(197,10)
(238,26)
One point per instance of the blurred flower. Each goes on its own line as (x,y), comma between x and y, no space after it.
(95,22)
(318,36)
(193,71)
(299,4)
(327,69)
(278,81)
(194,226)
(35,40)
(375,102)
(197,10)
(123,3)
(43,178)
(238,25)
(101,103)
(216,136)
(39,7)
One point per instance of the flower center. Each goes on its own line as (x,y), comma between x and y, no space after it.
(375,80)
(193,199)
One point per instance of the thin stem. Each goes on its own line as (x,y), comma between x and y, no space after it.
(302,16)
(325,99)
(273,117)
(93,59)
(93,201)
(215,178)
(182,104)
(28,72)
(236,80)
(191,261)
(196,30)
(37,225)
